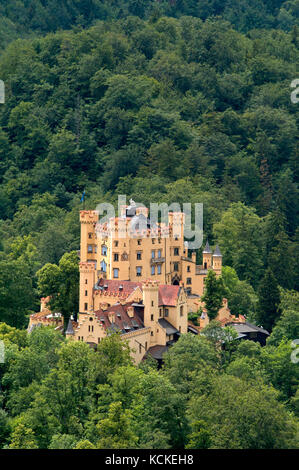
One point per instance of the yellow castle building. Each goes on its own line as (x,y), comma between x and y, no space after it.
(136,278)
(157,252)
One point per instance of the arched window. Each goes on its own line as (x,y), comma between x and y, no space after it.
(103,266)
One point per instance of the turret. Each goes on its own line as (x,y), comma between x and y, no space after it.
(207,257)
(87,282)
(151,305)
(88,221)
(217,261)
(69,332)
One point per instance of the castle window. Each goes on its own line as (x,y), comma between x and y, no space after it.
(176,252)
(90,235)
(89,249)
(153,254)
(152,303)
(166,313)
(188,269)
(90,319)
(139,255)
(159,240)
(103,266)
(115,273)
(115,256)
(153,270)
(189,280)
(86,281)
(152,333)
(205,265)
(99,339)
(159,253)
(139,348)
(176,266)
(86,293)
(116,243)
(159,268)
(146,345)
(153,241)
(181,310)
(138,271)
(139,242)
(152,317)
(180,328)
(85,306)
(104,250)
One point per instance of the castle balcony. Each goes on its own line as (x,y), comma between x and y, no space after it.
(157,260)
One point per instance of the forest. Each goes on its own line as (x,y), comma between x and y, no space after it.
(163,101)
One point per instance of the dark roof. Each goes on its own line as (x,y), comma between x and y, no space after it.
(243,328)
(170,330)
(70,329)
(193,330)
(157,351)
(207,248)
(217,251)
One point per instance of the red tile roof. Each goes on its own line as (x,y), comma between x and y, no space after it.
(113,286)
(167,294)
(122,321)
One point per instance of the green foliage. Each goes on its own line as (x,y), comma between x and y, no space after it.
(250,415)
(214,292)
(61,284)
(161,101)
(269,301)
(60,395)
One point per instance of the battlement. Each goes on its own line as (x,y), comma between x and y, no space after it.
(86,267)
(150,283)
(89,217)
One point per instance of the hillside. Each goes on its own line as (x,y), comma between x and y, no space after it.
(39,16)
(161,101)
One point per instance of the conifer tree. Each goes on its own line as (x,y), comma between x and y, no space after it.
(269,301)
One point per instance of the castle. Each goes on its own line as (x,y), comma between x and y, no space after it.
(136,278)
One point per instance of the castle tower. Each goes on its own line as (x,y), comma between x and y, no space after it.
(151,306)
(217,261)
(69,332)
(87,282)
(207,257)
(88,243)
